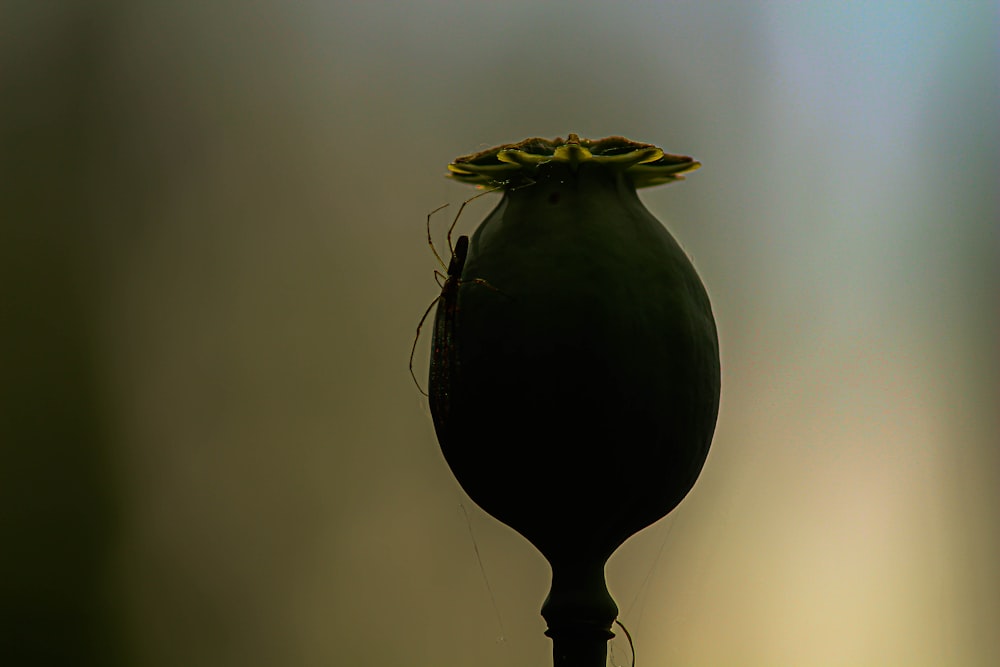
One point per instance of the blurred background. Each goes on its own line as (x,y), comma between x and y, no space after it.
(213,259)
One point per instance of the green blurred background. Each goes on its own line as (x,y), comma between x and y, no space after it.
(213,259)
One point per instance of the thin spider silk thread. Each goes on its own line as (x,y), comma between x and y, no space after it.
(631,645)
(496,607)
(640,591)
(643,586)
(486,579)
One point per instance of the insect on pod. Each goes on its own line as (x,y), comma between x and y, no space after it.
(595,359)
(449,281)
(444,329)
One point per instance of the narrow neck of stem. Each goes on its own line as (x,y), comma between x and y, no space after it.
(579,611)
(579,647)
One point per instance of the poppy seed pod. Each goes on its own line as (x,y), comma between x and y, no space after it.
(574,379)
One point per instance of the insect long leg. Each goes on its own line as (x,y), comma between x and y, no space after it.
(462,208)
(430,241)
(416,339)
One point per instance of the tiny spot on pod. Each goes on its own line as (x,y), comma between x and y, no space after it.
(554,197)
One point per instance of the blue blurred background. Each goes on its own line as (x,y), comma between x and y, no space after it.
(213,259)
